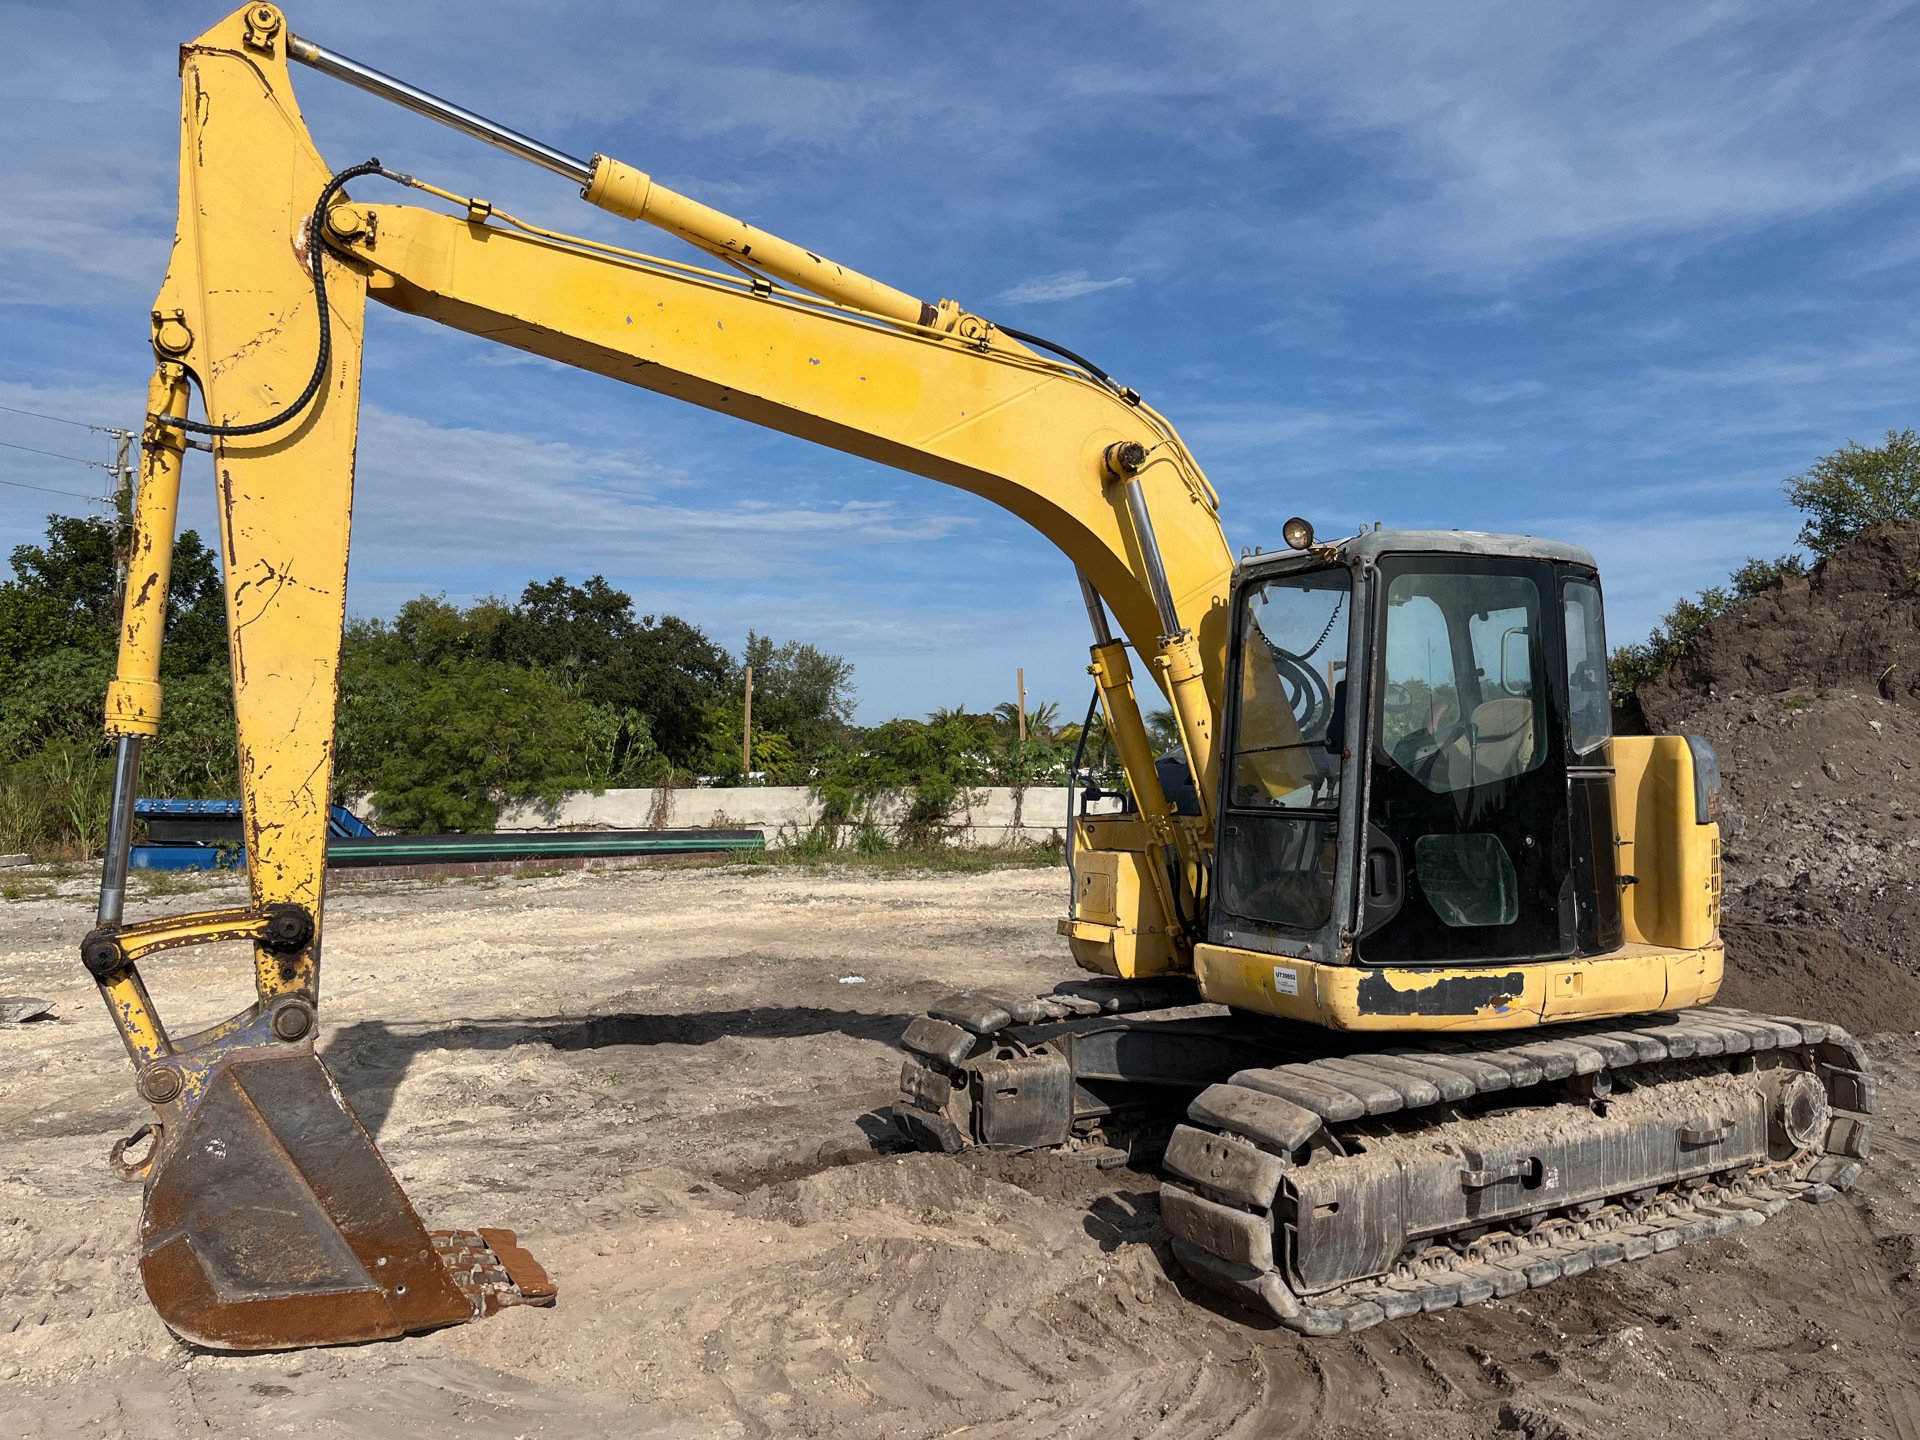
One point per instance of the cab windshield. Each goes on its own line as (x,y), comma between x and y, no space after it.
(1280,855)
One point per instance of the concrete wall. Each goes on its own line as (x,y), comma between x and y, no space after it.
(990,816)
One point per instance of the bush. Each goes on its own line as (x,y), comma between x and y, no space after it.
(1855,487)
(1631,666)
(931,763)
(56,801)
(442,749)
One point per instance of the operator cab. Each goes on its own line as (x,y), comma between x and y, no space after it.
(1416,763)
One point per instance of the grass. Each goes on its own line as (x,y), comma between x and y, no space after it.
(890,859)
(158,884)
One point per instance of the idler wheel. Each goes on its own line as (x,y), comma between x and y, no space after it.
(1800,1115)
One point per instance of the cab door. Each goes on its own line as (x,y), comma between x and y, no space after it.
(1469,849)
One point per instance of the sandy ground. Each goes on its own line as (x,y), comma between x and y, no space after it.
(662,1080)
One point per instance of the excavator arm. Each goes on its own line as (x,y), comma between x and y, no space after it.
(270,1218)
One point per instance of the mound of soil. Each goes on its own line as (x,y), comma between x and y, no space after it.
(1853,619)
(1793,970)
(1810,693)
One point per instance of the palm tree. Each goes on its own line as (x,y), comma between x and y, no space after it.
(1042,721)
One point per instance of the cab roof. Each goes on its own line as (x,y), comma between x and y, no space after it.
(1370,543)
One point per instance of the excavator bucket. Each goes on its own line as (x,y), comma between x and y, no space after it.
(271,1220)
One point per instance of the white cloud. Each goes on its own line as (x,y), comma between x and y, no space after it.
(1343,230)
(1062,285)
(1501,391)
(1494,137)
(434,505)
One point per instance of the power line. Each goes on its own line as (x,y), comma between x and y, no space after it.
(55,455)
(57,419)
(44,490)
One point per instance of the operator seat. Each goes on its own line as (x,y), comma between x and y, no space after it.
(1502,738)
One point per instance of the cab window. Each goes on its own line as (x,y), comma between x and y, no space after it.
(1279,855)
(1293,660)
(1460,702)
(1589,702)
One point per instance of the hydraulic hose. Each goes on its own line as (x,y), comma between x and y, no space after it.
(1073,792)
(1085,364)
(316,252)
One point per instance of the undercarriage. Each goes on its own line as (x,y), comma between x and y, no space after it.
(1338,1180)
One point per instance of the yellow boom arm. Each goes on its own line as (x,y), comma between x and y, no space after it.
(263,307)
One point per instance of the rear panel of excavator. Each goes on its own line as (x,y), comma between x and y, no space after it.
(1461,931)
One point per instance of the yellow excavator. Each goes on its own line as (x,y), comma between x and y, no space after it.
(1398,958)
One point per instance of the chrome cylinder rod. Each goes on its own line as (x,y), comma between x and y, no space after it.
(113,865)
(1096,611)
(366,78)
(1155,567)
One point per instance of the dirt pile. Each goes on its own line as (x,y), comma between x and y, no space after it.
(1851,620)
(1810,693)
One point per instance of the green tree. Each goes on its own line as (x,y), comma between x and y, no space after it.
(442,749)
(588,641)
(589,637)
(799,691)
(59,626)
(1162,730)
(62,597)
(1857,486)
(1042,721)
(620,750)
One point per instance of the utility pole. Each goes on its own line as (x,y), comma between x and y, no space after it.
(1020,707)
(122,472)
(746,731)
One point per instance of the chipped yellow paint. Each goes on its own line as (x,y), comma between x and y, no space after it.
(240,305)
(131,1009)
(173,931)
(133,695)
(1632,980)
(939,394)
(977,417)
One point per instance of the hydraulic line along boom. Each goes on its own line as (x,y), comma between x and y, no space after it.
(633,195)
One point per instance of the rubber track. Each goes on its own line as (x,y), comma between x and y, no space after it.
(1505,1263)
(955,1028)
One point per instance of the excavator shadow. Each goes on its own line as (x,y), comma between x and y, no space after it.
(372,1057)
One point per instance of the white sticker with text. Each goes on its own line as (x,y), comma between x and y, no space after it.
(1285,981)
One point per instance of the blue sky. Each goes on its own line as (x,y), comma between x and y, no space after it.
(1605,272)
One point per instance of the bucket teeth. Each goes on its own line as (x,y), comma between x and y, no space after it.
(271,1220)
(492,1269)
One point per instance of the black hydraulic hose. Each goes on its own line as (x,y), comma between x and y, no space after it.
(1189,924)
(1073,790)
(316,249)
(1080,360)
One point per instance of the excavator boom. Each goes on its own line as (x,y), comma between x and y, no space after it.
(270,1217)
